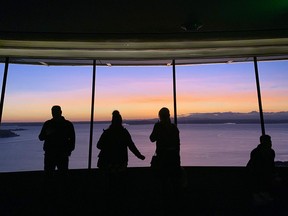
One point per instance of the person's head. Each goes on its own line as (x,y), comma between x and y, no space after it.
(56,111)
(164,114)
(266,140)
(116,118)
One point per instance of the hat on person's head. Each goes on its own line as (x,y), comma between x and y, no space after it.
(116,117)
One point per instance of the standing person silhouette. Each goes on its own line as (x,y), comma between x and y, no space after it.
(166,135)
(113,161)
(58,135)
(113,144)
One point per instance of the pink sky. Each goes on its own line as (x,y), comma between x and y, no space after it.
(139,92)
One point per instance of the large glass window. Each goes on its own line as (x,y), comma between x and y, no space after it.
(31,91)
(1,74)
(217,107)
(138,93)
(216,103)
(274,77)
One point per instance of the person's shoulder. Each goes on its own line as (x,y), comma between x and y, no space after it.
(48,121)
(69,122)
(253,153)
(174,126)
(157,124)
(109,130)
(125,130)
(255,150)
(66,120)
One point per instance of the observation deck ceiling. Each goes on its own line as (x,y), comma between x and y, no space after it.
(142,33)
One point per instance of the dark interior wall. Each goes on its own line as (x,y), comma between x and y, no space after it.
(128,16)
(209,191)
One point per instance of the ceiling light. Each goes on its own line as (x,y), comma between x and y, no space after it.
(44,63)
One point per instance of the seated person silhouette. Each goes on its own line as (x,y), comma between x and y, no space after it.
(261,167)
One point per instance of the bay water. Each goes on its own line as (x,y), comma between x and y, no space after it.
(201,145)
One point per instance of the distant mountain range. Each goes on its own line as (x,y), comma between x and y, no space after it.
(196,118)
(224,117)
(191,118)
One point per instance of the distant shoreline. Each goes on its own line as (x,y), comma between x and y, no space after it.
(137,122)
(17,126)
(197,118)
(7,133)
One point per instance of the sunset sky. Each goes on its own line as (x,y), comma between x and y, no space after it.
(139,92)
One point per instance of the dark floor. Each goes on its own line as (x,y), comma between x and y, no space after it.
(209,191)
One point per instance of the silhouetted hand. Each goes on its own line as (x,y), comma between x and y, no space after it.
(142,157)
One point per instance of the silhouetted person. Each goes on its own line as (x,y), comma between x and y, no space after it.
(59,141)
(113,159)
(166,135)
(261,167)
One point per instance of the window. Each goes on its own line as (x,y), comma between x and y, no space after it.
(210,98)
(31,91)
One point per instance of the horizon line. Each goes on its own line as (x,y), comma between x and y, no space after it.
(147,119)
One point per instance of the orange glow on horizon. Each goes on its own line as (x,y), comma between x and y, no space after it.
(38,110)
(139,93)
